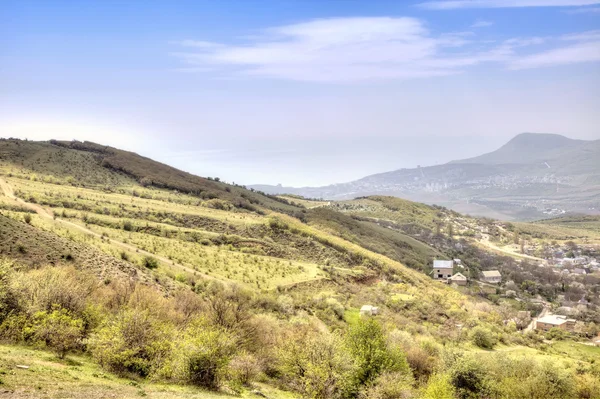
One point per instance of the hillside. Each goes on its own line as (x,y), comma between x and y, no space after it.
(135,270)
(531,177)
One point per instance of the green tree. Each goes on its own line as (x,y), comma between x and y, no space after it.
(58,330)
(367,344)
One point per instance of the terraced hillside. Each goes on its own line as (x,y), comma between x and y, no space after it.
(224,288)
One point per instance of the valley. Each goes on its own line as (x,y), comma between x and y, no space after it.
(98,245)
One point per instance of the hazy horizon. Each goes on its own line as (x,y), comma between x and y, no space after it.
(300,93)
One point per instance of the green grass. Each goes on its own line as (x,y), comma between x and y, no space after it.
(78,377)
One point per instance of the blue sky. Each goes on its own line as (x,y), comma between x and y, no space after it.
(299,92)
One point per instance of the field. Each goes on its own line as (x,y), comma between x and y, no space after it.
(78,377)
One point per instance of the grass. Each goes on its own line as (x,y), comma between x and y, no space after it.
(78,377)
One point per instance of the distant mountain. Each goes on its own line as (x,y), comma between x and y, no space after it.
(532,176)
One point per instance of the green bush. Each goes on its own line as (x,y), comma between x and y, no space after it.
(58,330)
(367,345)
(483,338)
(128,225)
(439,387)
(202,354)
(132,341)
(27,218)
(150,262)
(469,379)
(317,365)
(389,386)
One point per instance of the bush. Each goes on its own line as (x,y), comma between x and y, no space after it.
(58,330)
(27,218)
(557,334)
(131,342)
(244,368)
(368,346)
(128,225)
(390,386)
(439,387)
(316,364)
(150,262)
(202,354)
(483,338)
(469,378)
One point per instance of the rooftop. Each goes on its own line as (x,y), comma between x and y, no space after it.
(554,319)
(458,276)
(443,264)
(491,273)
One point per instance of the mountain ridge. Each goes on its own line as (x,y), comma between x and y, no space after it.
(532,176)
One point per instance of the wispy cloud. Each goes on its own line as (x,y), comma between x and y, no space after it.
(341,50)
(455,4)
(481,23)
(585,48)
(585,10)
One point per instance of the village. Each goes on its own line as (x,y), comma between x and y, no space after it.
(573,269)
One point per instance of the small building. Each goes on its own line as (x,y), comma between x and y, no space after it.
(552,320)
(458,279)
(492,276)
(368,310)
(457,262)
(443,269)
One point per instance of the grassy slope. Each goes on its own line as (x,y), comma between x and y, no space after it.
(78,377)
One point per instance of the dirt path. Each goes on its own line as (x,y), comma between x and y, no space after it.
(533,320)
(8,192)
(487,243)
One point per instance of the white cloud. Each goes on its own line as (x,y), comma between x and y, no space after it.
(341,50)
(481,23)
(455,4)
(586,48)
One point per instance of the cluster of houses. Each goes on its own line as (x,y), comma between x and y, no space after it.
(443,270)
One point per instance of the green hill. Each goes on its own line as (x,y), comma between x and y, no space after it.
(136,271)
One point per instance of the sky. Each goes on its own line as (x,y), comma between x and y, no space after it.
(299,92)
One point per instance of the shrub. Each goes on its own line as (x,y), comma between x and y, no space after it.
(27,218)
(150,262)
(132,341)
(439,387)
(367,344)
(468,377)
(51,287)
(244,368)
(482,337)
(128,225)
(202,354)
(389,386)
(316,364)
(557,334)
(58,330)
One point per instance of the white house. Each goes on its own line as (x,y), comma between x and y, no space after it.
(368,310)
(491,276)
(458,279)
(443,269)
